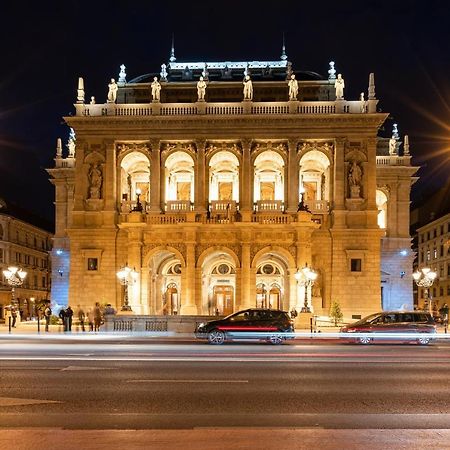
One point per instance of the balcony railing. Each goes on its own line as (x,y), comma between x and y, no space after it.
(318,206)
(178,206)
(265,206)
(227,108)
(223,207)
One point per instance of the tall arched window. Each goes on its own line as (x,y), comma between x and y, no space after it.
(269,181)
(381,200)
(135,176)
(179,175)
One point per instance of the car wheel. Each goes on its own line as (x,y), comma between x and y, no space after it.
(276,339)
(425,340)
(216,337)
(364,340)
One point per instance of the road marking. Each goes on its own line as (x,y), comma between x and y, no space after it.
(187,381)
(11,401)
(85,368)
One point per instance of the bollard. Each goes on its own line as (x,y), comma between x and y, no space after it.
(311,324)
(39,324)
(9,324)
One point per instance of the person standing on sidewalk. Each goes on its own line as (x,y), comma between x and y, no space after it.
(14,316)
(97,317)
(81,318)
(47,316)
(69,315)
(62,316)
(90,318)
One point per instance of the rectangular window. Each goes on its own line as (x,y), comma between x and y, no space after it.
(428,255)
(448,289)
(421,257)
(441,291)
(44,283)
(441,250)
(355,265)
(35,280)
(448,270)
(1,255)
(442,229)
(92,264)
(435,253)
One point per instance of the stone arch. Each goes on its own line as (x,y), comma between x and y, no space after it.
(262,148)
(223,169)
(215,249)
(179,180)
(314,177)
(161,248)
(382,202)
(284,253)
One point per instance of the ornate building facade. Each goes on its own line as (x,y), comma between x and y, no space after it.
(218,193)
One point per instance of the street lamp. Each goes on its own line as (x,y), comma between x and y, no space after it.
(425,278)
(126,275)
(138,206)
(302,206)
(14,276)
(306,277)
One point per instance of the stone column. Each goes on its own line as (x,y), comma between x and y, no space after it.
(293,178)
(155,175)
(245,187)
(134,261)
(109,179)
(339,194)
(245,301)
(188,299)
(162,184)
(200,182)
(370,182)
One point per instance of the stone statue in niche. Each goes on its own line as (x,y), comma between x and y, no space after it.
(339,85)
(248,88)
(156,90)
(293,88)
(95,182)
(112,91)
(201,89)
(355,179)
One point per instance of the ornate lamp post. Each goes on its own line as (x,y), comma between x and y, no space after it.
(14,276)
(138,206)
(126,275)
(425,278)
(306,277)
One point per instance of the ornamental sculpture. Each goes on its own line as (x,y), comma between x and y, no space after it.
(248,88)
(201,89)
(156,90)
(293,88)
(112,91)
(355,179)
(339,85)
(95,182)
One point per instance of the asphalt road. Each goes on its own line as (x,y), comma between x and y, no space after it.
(113,383)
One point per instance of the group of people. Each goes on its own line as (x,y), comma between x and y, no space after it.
(90,320)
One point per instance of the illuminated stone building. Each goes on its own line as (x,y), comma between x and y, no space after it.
(25,244)
(206,198)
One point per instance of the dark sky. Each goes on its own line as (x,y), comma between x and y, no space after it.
(45,46)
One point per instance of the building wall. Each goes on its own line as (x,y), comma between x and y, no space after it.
(340,238)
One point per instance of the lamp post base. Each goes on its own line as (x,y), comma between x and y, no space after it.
(126,308)
(305,309)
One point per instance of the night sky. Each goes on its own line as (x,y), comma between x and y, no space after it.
(45,46)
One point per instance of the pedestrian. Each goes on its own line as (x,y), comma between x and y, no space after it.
(47,315)
(69,315)
(445,317)
(294,313)
(90,318)
(81,318)
(97,317)
(62,316)
(14,316)
(109,310)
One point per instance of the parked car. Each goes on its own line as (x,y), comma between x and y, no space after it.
(270,325)
(405,326)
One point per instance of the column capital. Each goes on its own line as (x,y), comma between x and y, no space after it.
(155,144)
(246,143)
(341,140)
(200,143)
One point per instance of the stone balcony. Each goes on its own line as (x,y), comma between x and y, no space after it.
(227,108)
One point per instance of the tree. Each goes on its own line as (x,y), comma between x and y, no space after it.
(335,312)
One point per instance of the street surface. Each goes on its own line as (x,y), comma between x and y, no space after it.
(181,392)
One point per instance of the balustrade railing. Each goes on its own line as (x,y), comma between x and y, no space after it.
(318,206)
(393,160)
(264,206)
(176,206)
(272,219)
(223,108)
(223,206)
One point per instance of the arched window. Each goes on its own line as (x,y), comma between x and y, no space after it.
(269,181)
(135,177)
(179,178)
(224,177)
(381,200)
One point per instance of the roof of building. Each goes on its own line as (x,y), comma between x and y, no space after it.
(8,208)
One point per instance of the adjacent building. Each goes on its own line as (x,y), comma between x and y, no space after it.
(218,196)
(25,244)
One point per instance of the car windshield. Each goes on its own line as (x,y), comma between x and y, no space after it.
(366,319)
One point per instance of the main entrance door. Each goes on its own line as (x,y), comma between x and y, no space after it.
(223,299)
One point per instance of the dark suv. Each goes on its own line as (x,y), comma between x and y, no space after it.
(418,326)
(270,325)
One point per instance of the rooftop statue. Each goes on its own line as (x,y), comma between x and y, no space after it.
(363,102)
(122,75)
(112,91)
(248,88)
(331,71)
(156,90)
(293,88)
(201,89)
(163,74)
(339,85)
(92,102)
(71,143)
